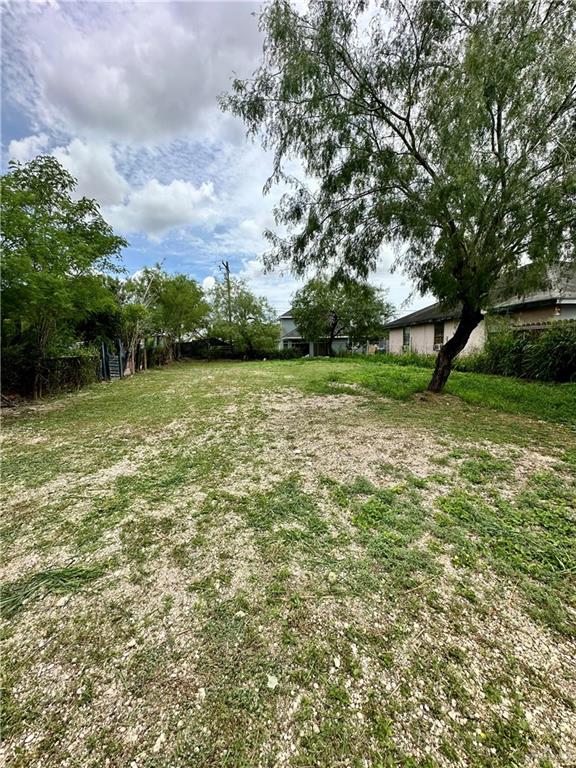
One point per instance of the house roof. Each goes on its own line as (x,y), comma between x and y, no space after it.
(286,316)
(433,313)
(562,290)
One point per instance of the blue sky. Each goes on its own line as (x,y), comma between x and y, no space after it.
(125,96)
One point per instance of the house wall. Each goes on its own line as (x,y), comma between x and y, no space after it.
(395,341)
(422,338)
(536,315)
(567,311)
(287,325)
(475,342)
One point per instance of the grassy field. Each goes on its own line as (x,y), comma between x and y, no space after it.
(304,563)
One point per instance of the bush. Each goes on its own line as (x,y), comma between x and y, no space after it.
(283,354)
(405,358)
(551,356)
(413,358)
(57,374)
(548,355)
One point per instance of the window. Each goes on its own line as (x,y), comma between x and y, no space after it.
(406,337)
(438,334)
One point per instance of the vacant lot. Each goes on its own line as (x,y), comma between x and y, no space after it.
(291,564)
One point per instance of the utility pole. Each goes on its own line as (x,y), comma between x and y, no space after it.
(225,267)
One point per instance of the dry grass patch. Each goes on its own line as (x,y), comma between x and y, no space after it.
(270,575)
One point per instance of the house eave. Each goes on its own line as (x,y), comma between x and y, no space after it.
(501,309)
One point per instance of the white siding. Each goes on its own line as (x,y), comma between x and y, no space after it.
(422,338)
(476,340)
(395,341)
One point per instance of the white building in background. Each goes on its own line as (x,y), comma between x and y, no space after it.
(425,330)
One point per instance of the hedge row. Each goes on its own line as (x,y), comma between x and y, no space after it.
(56,374)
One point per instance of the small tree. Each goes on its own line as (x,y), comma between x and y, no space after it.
(446,126)
(323,309)
(136,321)
(53,248)
(245,320)
(180,307)
(138,297)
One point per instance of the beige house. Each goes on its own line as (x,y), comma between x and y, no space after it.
(425,330)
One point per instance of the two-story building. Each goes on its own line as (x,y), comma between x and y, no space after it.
(290,338)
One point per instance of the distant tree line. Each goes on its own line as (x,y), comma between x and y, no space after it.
(64,291)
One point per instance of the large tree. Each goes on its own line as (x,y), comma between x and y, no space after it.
(446,127)
(325,309)
(247,321)
(54,248)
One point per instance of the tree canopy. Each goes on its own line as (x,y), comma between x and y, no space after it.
(181,308)
(245,320)
(445,127)
(323,309)
(54,248)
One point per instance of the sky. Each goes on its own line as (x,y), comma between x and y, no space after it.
(124,95)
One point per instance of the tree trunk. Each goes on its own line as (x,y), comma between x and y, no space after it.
(468,321)
(37,382)
(331,352)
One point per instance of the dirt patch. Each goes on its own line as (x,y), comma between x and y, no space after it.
(333,436)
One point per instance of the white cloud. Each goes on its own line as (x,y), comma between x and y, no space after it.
(24,150)
(93,164)
(208,283)
(277,286)
(157,208)
(132,71)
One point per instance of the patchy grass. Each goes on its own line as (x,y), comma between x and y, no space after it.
(551,402)
(302,563)
(16,594)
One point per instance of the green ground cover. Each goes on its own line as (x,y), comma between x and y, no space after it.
(296,563)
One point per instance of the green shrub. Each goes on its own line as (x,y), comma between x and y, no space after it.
(415,358)
(282,354)
(504,353)
(473,363)
(551,356)
(548,355)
